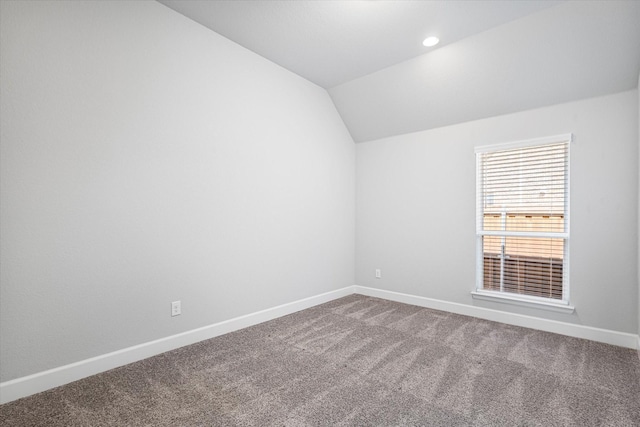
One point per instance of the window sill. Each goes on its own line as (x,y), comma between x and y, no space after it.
(523,301)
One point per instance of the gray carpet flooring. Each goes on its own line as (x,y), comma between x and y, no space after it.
(358,361)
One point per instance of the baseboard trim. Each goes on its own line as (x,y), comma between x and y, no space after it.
(621,339)
(41,381)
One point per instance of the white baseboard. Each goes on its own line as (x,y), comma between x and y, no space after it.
(36,383)
(621,339)
(41,381)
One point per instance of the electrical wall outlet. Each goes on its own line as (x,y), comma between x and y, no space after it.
(176,309)
(378,273)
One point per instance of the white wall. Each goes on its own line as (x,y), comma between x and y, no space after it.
(146,159)
(415,204)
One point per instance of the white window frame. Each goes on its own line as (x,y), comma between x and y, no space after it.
(508,297)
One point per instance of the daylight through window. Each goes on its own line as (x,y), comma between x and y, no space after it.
(523,219)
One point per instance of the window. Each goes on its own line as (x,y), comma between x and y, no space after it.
(522,220)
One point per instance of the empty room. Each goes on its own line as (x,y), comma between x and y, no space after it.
(318,213)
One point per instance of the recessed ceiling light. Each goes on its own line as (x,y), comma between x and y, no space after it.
(431,41)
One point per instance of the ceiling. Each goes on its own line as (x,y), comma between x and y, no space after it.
(331,42)
(495,57)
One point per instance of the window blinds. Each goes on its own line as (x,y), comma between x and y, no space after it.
(522,218)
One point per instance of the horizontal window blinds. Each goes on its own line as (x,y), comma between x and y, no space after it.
(526,185)
(522,219)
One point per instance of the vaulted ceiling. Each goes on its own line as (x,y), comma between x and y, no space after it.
(495,57)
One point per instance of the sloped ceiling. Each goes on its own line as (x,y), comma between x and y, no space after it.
(330,42)
(572,51)
(496,57)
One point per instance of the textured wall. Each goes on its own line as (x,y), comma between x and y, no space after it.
(146,159)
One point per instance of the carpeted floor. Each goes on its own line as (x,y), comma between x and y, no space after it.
(358,361)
